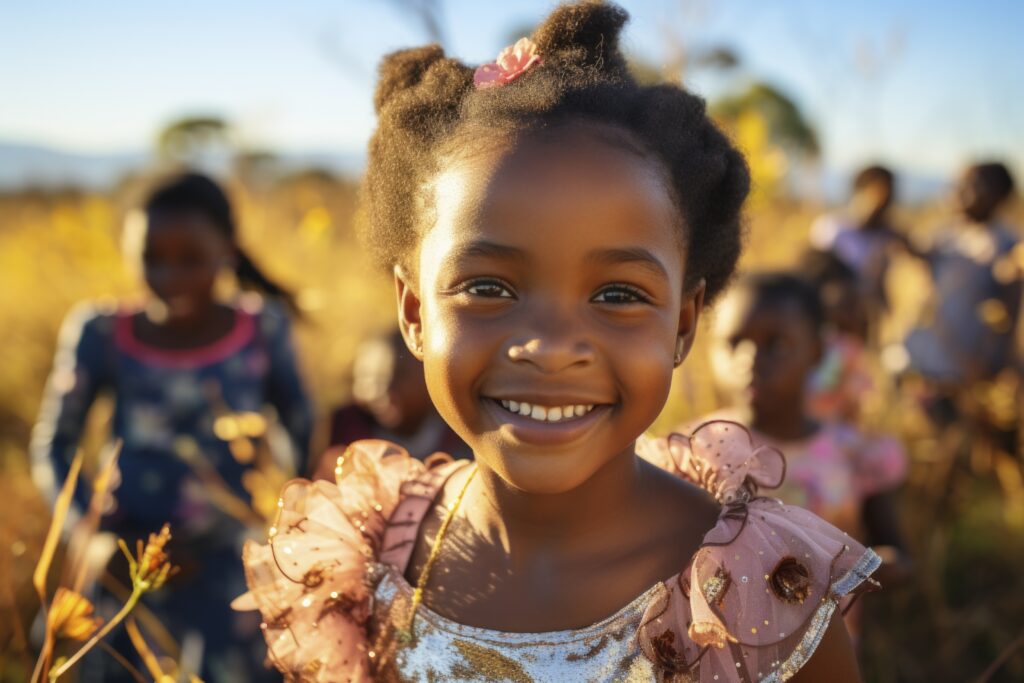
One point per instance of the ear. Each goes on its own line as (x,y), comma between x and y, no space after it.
(409,320)
(689,314)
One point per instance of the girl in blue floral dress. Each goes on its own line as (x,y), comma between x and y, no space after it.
(173,366)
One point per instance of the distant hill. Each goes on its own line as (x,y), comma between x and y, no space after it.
(23,165)
(26,165)
(29,165)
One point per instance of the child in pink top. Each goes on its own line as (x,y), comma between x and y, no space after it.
(769,342)
(554,228)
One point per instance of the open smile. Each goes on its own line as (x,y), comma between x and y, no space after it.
(546,425)
(542,413)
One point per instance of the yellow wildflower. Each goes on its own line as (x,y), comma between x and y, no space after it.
(71,616)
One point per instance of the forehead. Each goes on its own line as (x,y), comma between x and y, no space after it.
(188,223)
(572,190)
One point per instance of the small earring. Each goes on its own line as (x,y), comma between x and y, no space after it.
(680,343)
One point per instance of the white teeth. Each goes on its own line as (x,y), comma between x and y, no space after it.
(545,414)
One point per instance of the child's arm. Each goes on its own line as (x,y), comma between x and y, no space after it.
(284,386)
(881,522)
(79,371)
(881,468)
(834,660)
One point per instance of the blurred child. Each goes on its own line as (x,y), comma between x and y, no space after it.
(768,342)
(862,235)
(977,288)
(173,366)
(391,402)
(838,387)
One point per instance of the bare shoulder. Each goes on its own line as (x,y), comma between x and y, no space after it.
(673,494)
(680,514)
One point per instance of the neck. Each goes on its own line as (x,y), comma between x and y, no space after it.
(199,320)
(527,523)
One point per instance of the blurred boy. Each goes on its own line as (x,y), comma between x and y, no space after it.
(862,235)
(976,284)
(390,402)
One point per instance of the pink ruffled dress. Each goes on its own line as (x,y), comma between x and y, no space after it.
(842,381)
(752,604)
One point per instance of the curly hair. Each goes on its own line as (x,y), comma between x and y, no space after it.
(425,102)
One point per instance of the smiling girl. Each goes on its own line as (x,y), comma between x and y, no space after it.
(555,230)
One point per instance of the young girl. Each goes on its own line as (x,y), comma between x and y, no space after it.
(768,345)
(173,366)
(843,381)
(555,229)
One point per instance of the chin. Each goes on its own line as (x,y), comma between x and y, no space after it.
(540,470)
(543,475)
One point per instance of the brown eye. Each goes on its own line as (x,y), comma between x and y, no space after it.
(490,289)
(620,294)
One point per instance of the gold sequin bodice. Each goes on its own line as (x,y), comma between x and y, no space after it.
(443,650)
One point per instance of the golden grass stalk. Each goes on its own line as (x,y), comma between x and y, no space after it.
(148,570)
(149,621)
(89,524)
(148,658)
(42,570)
(218,491)
(119,658)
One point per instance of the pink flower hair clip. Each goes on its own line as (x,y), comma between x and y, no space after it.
(512,62)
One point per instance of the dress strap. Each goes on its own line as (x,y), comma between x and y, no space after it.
(417,497)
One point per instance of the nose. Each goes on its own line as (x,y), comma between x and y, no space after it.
(556,348)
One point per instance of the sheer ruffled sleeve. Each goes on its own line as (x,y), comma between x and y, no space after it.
(309,580)
(763,587)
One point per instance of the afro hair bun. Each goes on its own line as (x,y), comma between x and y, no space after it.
(586,34)
(425,101)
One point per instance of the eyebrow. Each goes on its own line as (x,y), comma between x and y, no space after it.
(629,255)
(486,249)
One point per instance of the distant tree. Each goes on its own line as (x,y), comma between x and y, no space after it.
(188,139)
(786,123)
(255,166)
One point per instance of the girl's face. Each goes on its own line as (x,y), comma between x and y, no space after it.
(182,255)
(976,198)
(763,352)
(548,304)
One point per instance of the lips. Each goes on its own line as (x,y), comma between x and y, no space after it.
(546,422)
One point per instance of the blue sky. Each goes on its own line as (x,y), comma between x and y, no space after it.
(105,75)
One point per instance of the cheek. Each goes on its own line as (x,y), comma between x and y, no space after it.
(643,360)
(455,354)
(648,381)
